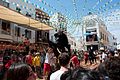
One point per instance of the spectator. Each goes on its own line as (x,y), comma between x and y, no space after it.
(86,57)
(64,59)
(6,64)
(20,71)
(37,64)
(28,59)
(80,74)
(75,61)
(48,61)
(112,67)
(102,70)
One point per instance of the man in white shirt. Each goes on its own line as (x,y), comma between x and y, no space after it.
(104,56)
(64,59)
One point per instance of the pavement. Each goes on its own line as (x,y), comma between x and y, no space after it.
(89,66)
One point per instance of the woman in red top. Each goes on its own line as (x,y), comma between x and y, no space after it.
(75,61)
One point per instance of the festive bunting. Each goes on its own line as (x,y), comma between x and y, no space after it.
(51,9)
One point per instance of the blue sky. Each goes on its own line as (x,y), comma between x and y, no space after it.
(76,9)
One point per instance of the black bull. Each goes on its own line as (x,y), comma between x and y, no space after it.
(61,44)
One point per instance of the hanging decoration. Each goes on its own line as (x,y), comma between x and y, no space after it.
(75,8)
(84,6)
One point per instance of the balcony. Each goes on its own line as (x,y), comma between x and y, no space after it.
(5,36)
(5,32)
(92,43)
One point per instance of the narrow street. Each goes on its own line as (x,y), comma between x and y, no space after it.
(89,66)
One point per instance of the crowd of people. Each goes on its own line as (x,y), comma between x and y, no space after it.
(29,62)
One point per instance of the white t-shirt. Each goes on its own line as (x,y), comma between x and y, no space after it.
(46,58)
(104,55)
(116,55)
(56,75)
(100,56)
(49,58)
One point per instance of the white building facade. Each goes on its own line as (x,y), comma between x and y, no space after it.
(112,41)
(15,32)
(95,33)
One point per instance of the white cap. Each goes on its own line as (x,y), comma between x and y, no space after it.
(37,53)
(101,48)
(115,51)
(118,48)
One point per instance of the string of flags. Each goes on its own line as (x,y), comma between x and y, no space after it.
(75,8)
(104,8)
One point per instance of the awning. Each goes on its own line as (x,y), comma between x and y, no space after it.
(15,17)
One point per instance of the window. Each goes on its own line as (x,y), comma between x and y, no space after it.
(90,23)
(17,31)
(91,35)
(28,34)
(6,28)
(103,37)
(45,34)
(107,39)
(51,38)
(74,44)
(100,35)
(4,3)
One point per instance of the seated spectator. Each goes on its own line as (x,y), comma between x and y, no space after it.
(20,71)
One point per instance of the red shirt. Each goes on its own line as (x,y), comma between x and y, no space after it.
(29,59)
(86,56)
(75,60)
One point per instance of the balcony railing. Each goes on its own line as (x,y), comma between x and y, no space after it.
(5,32)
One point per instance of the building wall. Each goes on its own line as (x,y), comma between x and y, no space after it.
(72,42)
(29,10)
(90,29)
(94,22)
(51,35)
(111,41)
(25,7)
(22,32)
(12,36)
(42,36)
(13,4)
(58,21)
(104,36)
